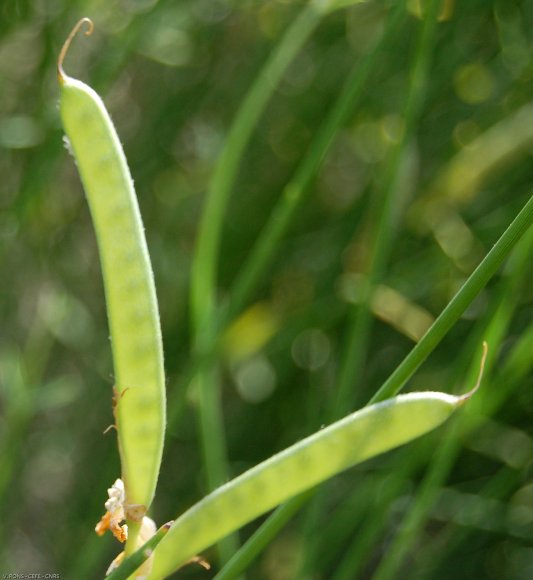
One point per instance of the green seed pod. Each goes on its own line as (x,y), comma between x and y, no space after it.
(359,436)
(129,285)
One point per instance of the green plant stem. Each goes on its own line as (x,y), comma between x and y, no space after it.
(459,303)
(207,249)
(385,215)
(213,442)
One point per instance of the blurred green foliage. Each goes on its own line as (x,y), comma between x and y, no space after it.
(173,74)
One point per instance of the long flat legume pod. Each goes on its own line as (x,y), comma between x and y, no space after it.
(129,284)
(359,436)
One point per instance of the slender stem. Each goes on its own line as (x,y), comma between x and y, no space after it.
(460,302)
(206,255)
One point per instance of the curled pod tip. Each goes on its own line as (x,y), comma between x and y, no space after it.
(463,398)
(66,45)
